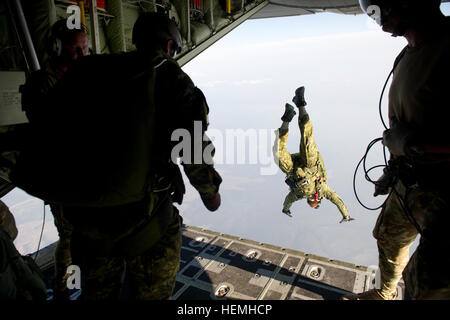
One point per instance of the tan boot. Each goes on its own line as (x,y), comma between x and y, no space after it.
(374,294)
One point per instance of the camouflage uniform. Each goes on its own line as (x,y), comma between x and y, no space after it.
(142,239)
(306,168)
(36,89)
(395,232)
(418,99)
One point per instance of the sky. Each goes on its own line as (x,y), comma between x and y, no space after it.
(247,77)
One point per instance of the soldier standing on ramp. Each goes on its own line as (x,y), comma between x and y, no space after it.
(109,163)
(417,176)
(64,48)
(306,175)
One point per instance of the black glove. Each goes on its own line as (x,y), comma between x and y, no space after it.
(383,184)
(211,201)
(402,141)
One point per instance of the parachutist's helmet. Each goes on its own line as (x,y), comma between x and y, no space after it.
(313,203)
(406,11)
(153,30)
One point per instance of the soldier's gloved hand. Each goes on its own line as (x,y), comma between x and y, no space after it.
(383,184)
(211,201)
(347,218)
(401,141)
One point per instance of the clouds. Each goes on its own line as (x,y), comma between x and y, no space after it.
(244,82)
(324,63)
(305,41)
(211,83)
(238,183)
(252,82)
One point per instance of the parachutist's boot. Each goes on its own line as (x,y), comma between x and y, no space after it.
(289,113)
(300,102)
(299,98)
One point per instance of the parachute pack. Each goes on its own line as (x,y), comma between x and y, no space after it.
(90,143)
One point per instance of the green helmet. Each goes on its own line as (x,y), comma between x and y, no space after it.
(154,29)
(408,10)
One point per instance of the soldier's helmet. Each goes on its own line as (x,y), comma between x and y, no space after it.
(154,29)
(313,203)
(412,9)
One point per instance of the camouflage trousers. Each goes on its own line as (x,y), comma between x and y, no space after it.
(149,275)
(405,211)
(63,256)
(308,155)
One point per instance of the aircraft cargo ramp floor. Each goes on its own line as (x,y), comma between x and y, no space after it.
(216,266)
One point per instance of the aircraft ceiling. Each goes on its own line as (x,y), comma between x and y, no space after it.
(285,8)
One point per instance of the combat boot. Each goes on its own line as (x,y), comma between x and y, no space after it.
(289,113)
(299,98)
(374,294)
